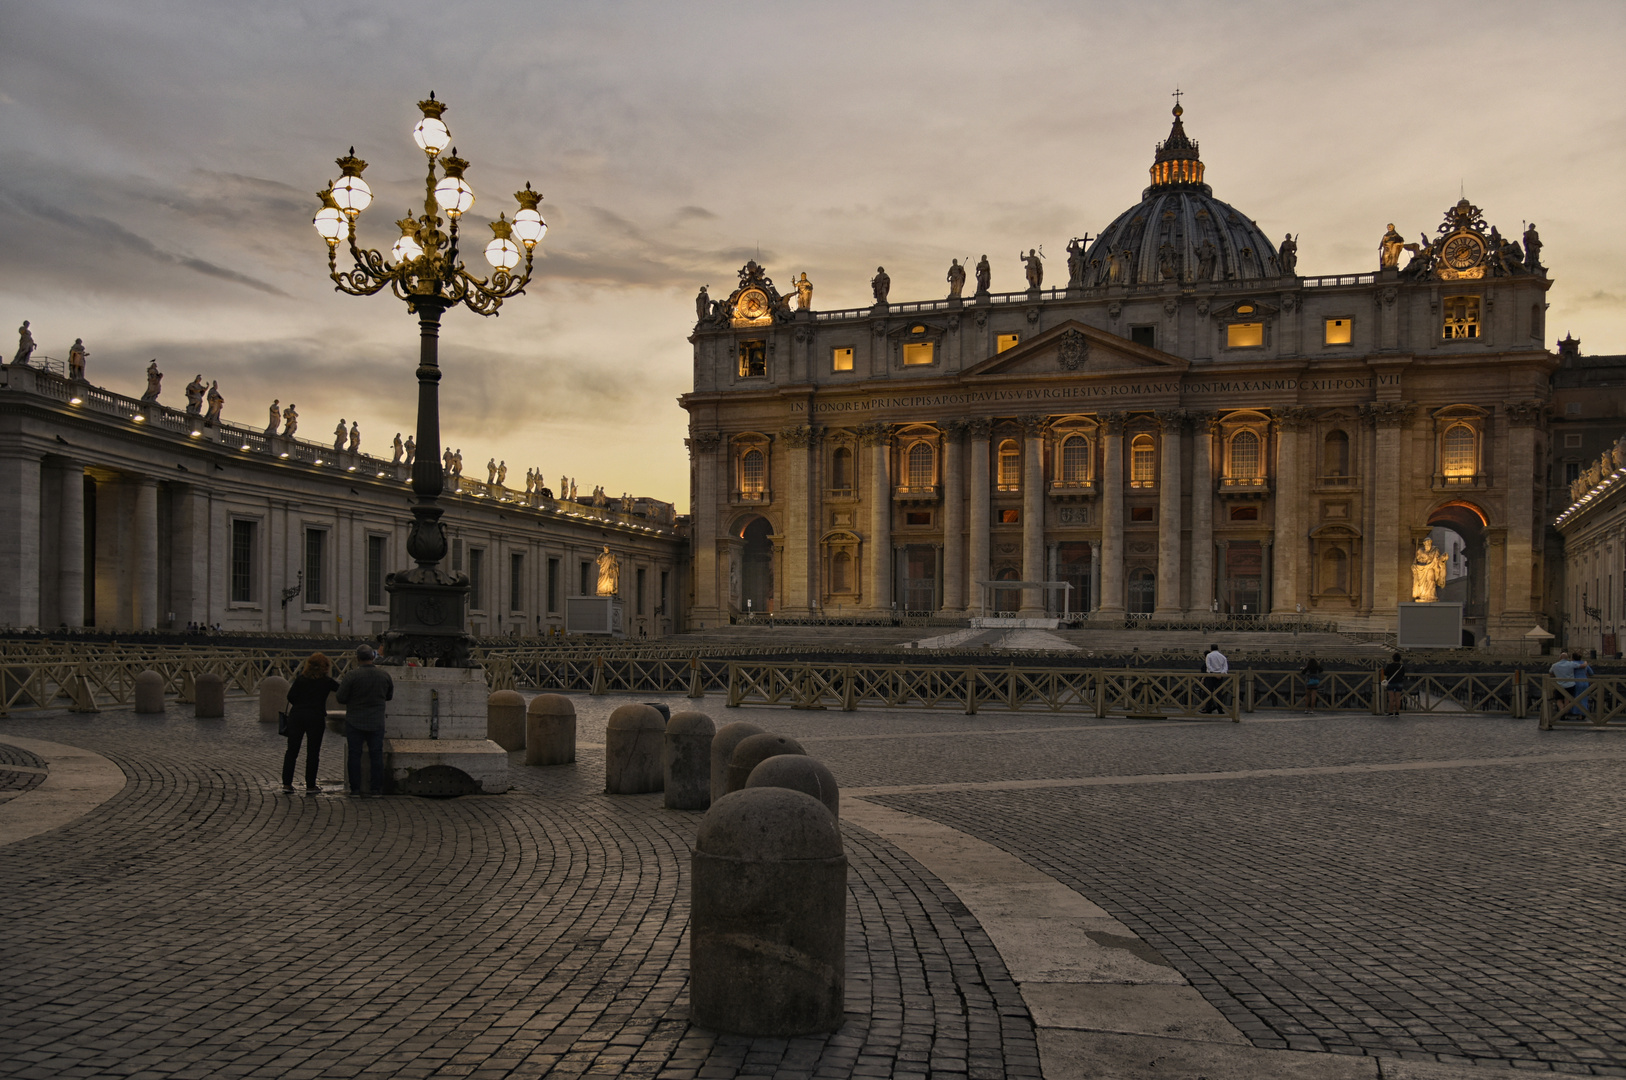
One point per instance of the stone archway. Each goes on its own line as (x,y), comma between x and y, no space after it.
(1459,529)
(756,572)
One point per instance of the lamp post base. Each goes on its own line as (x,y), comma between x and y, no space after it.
(427,619)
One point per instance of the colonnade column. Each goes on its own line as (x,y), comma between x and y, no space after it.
(1202,515)
(20,538)
(1287,506)
(708,511)
(1095,578)
(1224,582)
(1033,562)
(953,517)
(1520,585)
(1388,418)
(1112,514)
(979,430)
(801,580)
(71,539)
(1169,550)
(879,590)
(145,616)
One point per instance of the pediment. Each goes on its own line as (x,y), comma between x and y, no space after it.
(1075,349)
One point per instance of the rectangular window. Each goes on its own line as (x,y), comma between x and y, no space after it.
(1010,517)
(919,353)
(638,597)
(1006,341)
(1572,471)
(1244,513)
(917,517)
(1337,331)
(242,561)
(477,567)
(1245,335)
(1572,440)
(1461,318)
(516,581)
(1140,513)
(375,570)
(553,585)
(457,555)
(753,359)
(315,566)
(841,360)
(586,584)
(1144,335)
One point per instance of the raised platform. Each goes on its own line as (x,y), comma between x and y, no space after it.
(437,721)
(992,623)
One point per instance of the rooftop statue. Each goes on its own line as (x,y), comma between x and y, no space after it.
(491,471)
(276,418)
(25,345)
(880,284)
(290,421)
(155,381)
(355,436)
(804,293)
(1033,267)
(1207,260)
(397,449)
(1389,249)
(411,450)
(1532,247)
(502,473)
(1287,256)
(216,402)
(984,274)
(76,360)
(339,435)
(194,395)
(702,305)
(956,279)
(1075,262)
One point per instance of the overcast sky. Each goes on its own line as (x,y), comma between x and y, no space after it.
(158,163)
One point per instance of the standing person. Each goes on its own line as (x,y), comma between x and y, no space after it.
(307,718)
(1394,681)
(1583,675)
(1563,672)
(363,693)
(1217,666)
(1312,683)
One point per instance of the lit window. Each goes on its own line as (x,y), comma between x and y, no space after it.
(1010,464)
(753,359)
(1075,459)
(751,472)
(1337,331)
(841,360)
(1244,335)
(919,353)
(1142,461)
(1006,341)
(1457,451)
(1244,456)
(920,466)
(1010,517)
(1141,513)
(1461,317)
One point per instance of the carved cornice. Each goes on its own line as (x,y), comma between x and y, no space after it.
(979,427)
(1032,425)
(873,434)
(1524,413)
(1113,422)
(1203,420)
(800,438)
(1388,414)
(1291,417)
(704,442)
(954,429)
(1170,421)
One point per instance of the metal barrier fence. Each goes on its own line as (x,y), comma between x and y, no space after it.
(1599,701)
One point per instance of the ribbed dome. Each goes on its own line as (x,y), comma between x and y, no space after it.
(1179,231)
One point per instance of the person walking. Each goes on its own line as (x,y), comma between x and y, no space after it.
(1217,667)
(307,718)
(1394,682)
(1312,683)
(365,689)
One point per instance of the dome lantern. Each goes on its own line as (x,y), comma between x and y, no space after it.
(1176,164)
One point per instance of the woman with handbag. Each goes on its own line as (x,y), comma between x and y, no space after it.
(1312,683)
(306,719)
(1394,681)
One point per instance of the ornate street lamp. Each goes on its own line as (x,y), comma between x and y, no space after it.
(428,604)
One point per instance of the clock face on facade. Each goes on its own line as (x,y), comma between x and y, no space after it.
(1463,251)
(752,306)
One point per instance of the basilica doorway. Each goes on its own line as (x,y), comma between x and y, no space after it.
(1458,529)
(1142,591)
(1007,601)
(1244,577)
(919,580)
(1073,567)
(756,574)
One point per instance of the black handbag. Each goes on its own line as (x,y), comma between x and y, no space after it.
(282,723)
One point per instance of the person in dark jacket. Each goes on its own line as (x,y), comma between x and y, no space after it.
(1394,683)
(307,718)
(363,693)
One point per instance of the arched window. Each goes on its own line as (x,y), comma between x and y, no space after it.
(1244,456)
(1457,451)
(1335,454)
(1335,571)
(1142,461)
(1142,591)
(1075,459)
(921,466)
(841,468)
(1010,464)
(752,472)
(841,572)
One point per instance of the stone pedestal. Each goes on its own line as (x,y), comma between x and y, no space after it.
(438,719)
(595,615)
(1436,625)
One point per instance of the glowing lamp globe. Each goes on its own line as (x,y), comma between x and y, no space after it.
(454,196)
(431,134)
(351,193)
(502,252)
(528,224)
(329,220)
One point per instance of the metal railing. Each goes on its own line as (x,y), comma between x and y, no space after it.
(1599,701)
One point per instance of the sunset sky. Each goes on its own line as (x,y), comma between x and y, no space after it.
(158,163)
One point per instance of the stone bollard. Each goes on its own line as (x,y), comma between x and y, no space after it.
(505,719)
(768,906)
(210,696)
(722,748)
(688,761)
(273,698)
(632,751)
(754,751)
(149,692)
(799,773)
(550,731)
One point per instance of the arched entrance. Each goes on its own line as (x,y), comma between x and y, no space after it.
(1458,529)
(756,576)
(1007,601)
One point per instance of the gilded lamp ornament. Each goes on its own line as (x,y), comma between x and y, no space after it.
(428,603)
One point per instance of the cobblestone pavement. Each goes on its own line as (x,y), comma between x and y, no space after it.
(1373,893)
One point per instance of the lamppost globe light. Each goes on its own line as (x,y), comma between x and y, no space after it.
(528,224)
(502,252)
(453,193)
(407,247)
(329,220)
(431,134)
(351,193)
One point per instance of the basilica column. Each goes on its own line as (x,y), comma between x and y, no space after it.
(1520,585)
(1033,563)
(1388,418)
(799,577)
(710,597)
(979,429)
(1095,578)
(1169,553)
(71,540)
(20,477)
(878,438)
(1202,515)
(145,615)
(953,568)
(1112,514)
(1288,506)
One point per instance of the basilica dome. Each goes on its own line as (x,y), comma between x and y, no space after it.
(1179,231)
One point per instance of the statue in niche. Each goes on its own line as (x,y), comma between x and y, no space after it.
(217,401)
(194,395)
(76,360)
(340,433)
(25,345)
(290,421)
(702,305)
(1532,247)
(276,418)
(355,436)
(1287,256)
(411,451)
(985,274)
(956,279)
(1075,263)
(1119,263)
(880,285)
(1033,267)
(804,293)
(502,473)
(155,382)
(1168,262)
(1207,259)
(396,449)
(1427,572)
(609,573)
(1389,248)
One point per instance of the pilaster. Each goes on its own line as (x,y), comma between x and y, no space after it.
(1169,553)
(1033,562)
(1112,514)
(954,508)
(20,476)
(878,593)
(1203,427)
(980,430)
